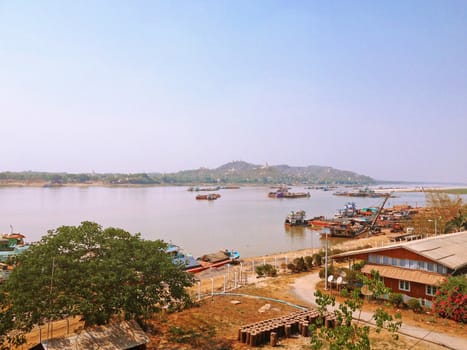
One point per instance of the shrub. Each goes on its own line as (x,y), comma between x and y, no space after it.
(331,271)
(358,266)
(300,264)
(414,305)
(450,300)
(317,259)
(309,262)
(344,293)
(266,270)
(396,299)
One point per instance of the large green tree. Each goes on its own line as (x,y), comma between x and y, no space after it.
(92,272)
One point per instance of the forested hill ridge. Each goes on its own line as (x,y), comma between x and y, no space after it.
(237,172)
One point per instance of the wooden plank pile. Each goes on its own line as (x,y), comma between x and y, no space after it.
(269,331)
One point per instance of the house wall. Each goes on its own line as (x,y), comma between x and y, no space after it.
(417,290)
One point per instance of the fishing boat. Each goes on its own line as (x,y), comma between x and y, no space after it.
(209,197)
(297,218)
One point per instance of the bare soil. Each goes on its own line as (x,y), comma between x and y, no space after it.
(215,321)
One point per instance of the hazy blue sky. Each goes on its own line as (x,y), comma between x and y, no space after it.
(379,88)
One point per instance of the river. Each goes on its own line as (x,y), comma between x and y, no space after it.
(244,219)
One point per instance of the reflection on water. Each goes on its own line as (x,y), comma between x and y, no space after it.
(245,219)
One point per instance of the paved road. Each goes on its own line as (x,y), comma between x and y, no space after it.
(304,288)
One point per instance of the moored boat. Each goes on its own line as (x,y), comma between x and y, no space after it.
(297,218)
(283,192)
(209,197)
(320,221)
(184,260)
(12,244)
(219,258)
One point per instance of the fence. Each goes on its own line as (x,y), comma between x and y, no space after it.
(232,276)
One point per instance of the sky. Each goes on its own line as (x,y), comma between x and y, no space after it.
(374,87)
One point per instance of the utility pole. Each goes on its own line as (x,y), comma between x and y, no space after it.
(326,264)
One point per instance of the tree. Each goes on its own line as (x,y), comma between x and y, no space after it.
(443,213)
(92,272)
(375,284)
(347,334)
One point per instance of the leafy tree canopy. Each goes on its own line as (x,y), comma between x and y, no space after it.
(92,272)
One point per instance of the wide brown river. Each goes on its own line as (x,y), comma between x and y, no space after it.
(244,219)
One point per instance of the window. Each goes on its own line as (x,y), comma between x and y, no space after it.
(402,262)
(430,290)
(404,285)
(441,269)
(431,267)
(372,258)
(385,260)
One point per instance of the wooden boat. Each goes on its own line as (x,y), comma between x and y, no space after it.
(209,197)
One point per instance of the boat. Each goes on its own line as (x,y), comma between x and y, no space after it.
(283,192)
(192,265)
(349,228)
(320,221)
(297,218)
(349,211)
(220,258)
(186,261)
(196,189)
(354,225)
(366,192)
(12,244)
(209,197)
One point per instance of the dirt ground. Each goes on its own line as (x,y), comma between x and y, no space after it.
(214,323)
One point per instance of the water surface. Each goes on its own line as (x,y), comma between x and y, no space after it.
(245,219)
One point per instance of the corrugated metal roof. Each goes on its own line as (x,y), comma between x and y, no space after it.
(398,273)
(117,336)
(447,249)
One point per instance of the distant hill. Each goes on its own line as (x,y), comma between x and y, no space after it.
(242,172)
(238,172)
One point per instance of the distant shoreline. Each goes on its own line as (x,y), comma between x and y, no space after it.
(459,189)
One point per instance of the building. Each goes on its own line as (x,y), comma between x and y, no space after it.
(415,268)
(126,335)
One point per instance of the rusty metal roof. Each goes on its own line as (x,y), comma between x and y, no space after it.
(399,273)
(117,336)
(448,249)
